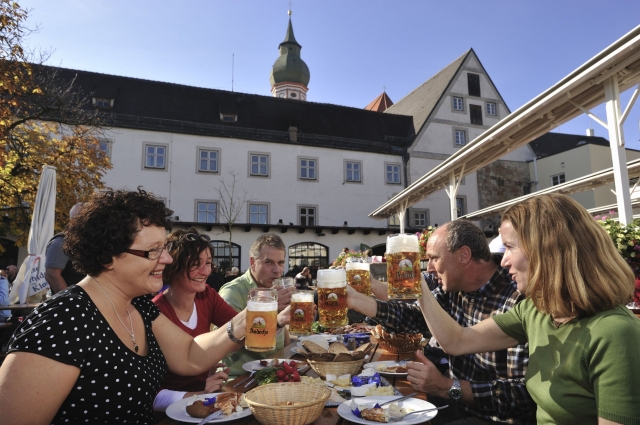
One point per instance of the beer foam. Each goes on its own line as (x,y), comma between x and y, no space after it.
(332,278)
(357,266)
(402,242)
(260,306)
(298,297)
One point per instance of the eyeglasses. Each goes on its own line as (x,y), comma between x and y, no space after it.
(152,254)
(191,237)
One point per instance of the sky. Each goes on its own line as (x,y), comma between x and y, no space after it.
(355,49)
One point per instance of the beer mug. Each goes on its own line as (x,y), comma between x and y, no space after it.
(301,313)
(332,298)
(403,266)
(359,276)
(262,320)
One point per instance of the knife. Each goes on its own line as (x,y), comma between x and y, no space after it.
(398,399)
(210,417)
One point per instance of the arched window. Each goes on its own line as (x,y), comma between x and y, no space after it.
(221,254)
(308,254)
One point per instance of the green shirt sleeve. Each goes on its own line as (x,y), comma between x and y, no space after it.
(512,322)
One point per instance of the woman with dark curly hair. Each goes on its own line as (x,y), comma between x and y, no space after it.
(193,306)
(98,351)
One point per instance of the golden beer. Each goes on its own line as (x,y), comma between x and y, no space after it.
(262,320)
(332,298)
(403,267)
(301,313)
(359,277)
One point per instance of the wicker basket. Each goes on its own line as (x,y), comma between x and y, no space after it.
(397,343)
(336,368)
(263,402)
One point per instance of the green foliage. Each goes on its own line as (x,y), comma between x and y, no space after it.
(625,238)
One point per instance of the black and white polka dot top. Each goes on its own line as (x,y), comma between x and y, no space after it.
(115,386)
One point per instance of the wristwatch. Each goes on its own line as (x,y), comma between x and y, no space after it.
(455,392)
(230,333)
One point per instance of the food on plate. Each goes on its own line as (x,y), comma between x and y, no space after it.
(376,414)
(315,352)
(313,348)
(373,412)
(283,372)
(391,369)
(227,402)
(317,328)
(311,380)
(352,329)
(338,348)
(379,391)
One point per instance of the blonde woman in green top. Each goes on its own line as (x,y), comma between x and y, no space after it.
(584,344)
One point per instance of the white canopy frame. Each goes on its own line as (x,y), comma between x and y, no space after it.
(599,80)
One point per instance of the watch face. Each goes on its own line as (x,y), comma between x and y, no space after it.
(455,393)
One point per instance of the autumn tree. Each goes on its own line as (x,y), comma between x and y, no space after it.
(44,120)
(231,206)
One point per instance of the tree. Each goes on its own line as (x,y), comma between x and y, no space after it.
(44,120)
(230,206)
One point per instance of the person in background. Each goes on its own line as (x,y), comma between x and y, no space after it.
(98,351)
(233,274)
(4,299)
(303,279)
(266,263)
(468,286)
(59,271)
(215,279)
(583,341)
(12,272)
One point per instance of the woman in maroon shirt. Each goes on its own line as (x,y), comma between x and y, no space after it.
(192,305)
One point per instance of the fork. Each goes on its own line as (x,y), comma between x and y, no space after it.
(253,372)
(400,418)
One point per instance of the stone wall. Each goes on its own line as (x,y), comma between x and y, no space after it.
(498,182)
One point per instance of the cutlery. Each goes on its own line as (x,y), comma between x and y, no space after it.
(398,419)
(245,379)
(248,384)
(398,399)
(210,417)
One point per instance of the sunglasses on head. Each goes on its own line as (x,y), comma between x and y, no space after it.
(191,237)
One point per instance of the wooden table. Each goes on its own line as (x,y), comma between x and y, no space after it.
(19,306)
(329,415)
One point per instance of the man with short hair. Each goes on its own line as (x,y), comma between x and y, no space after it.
(12,272)
(482,388)
(266,263)
(59,271)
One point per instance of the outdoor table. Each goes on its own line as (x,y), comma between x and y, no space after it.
(19,306)
(329,415)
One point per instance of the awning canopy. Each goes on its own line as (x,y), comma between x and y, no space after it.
(575,94)
(587,182)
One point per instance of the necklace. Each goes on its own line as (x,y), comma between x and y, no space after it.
(130,332)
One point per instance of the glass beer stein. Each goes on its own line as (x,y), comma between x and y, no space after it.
(359,276)
(262,320)
(301,313)
(403,266)
(332,298)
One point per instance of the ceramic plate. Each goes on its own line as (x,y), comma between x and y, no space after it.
(388,363)
(344,409)
(178,411)
(329,338)
(255,365)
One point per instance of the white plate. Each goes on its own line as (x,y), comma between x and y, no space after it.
(178,410)
(387,363)
(329,338)
(344,409)
(255,365)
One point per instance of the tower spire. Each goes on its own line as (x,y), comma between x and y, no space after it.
(290,75)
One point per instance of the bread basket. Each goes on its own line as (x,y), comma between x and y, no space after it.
(267,402)
(336,368)
(397,343)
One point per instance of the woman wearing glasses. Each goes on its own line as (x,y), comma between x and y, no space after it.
(98,351)
(193,306)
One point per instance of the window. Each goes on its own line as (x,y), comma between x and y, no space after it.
(461,205)
(460,137)
(258,213)
(420,218)
(222,253)
(491,109)
(393,174)
(228,117)
(259,165)
(206,212)
(473,81)
(105,147)
(100,102)
(307,216)
(557,179)
(458,104)
(155,156)
(475,113)
(308,168)
(308,254)
(208,160)
(353,171)
(394,220)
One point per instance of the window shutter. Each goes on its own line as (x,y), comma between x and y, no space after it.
(474,84)
(476,114)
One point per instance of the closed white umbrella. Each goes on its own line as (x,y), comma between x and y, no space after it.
(30,281)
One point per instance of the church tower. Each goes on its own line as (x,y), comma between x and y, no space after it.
(290,75)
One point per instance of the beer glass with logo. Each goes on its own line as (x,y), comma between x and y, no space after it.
(359,276)
(301,312)
(262,321)
(332,298)
(403,266)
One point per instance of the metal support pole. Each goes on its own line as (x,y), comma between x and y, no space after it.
(618,154)
(452,192)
